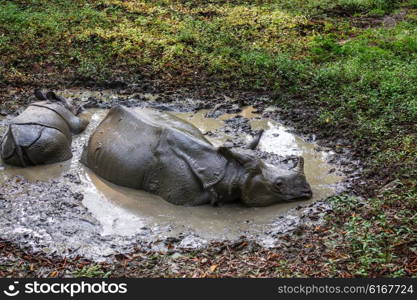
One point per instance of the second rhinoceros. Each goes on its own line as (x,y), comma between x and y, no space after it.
(164,155)
(42,133)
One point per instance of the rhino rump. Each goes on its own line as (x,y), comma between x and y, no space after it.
(28,145)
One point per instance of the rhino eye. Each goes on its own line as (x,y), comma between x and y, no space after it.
(278,183)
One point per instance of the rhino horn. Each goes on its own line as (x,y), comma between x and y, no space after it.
(255,141)
(300,165)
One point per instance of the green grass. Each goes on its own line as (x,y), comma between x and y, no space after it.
(372,235)
(91,271)
(354,61)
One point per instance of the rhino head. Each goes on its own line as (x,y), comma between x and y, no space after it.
(77,124)
(263,184)
(51,96)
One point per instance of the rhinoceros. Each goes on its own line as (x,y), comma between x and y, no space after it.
(42,133)
(164,155)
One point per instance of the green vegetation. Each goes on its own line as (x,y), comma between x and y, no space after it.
(91,271)
(375,235)
(353,61)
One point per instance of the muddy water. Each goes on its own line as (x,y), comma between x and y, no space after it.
(277,139)
(105,95)
(207,125)
(123,211)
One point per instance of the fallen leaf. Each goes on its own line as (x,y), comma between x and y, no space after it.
(54,274)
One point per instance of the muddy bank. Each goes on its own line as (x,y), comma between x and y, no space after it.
(76,213)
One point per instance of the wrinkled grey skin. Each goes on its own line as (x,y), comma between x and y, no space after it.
(42,133)
(164,155)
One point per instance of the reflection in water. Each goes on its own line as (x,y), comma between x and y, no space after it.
(125,211)
(199,120)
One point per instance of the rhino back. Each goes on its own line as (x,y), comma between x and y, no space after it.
(121,148)
(35,115)
(75,124)
(131,148)
(169,121)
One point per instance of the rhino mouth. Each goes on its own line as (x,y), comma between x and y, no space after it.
(302,196)
(306,195)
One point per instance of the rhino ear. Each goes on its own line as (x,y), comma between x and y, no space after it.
(232,154)
(40,95)
(52,96)
(251,163)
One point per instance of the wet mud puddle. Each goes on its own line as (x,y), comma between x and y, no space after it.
(123,212)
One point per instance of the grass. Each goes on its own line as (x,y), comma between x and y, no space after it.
(374,235)
(352,61)
(91,271)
